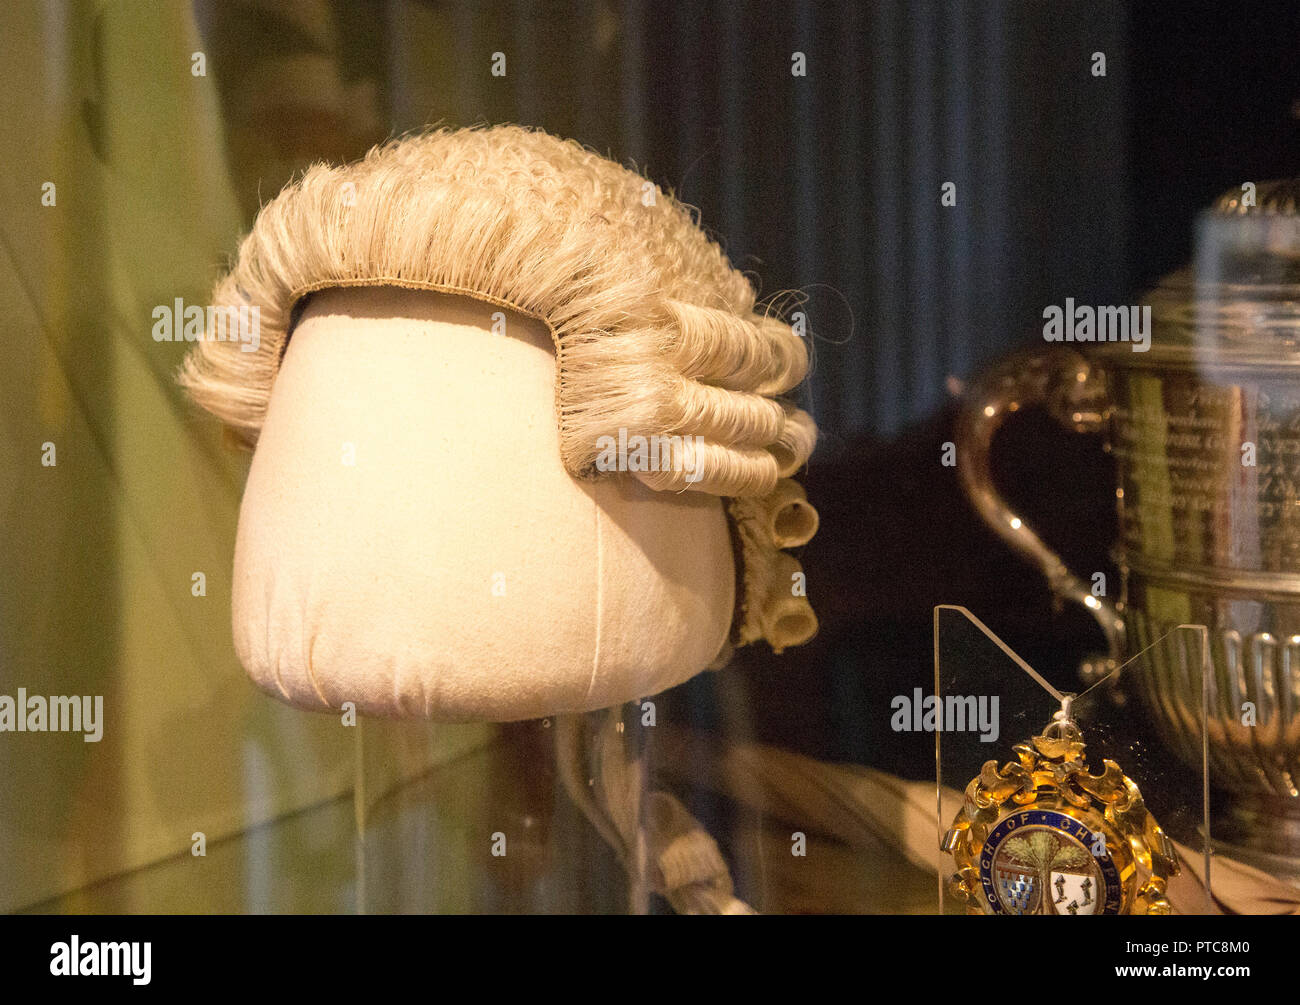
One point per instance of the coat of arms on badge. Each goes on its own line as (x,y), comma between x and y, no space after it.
(1042,835)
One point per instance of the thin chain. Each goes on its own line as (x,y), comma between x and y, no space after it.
(1131,659)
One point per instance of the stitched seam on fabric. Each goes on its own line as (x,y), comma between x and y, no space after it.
(600,594)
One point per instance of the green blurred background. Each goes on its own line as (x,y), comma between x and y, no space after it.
(158,165)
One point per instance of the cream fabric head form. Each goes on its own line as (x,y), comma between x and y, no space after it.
(655,336)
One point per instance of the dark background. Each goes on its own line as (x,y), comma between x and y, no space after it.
(1068,186)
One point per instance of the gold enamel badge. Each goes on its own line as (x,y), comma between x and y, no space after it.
(1041,835)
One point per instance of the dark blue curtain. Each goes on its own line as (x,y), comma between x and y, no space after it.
(829,183)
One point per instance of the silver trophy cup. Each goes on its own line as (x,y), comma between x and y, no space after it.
(1204,426)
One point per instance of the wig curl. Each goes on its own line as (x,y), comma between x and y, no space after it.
(655,332)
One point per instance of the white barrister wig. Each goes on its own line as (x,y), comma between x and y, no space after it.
(655,332)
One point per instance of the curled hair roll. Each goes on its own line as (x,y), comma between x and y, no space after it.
(787,617)
(726,471)
(791,520)
(735,417)
(751,353)
(794,444)
(773,603)
(795,355)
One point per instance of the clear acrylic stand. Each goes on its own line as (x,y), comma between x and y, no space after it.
(474,819)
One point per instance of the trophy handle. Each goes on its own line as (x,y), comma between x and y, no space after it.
(1073,392)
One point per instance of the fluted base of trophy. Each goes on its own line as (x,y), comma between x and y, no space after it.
(1249,688)
(1263,832)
